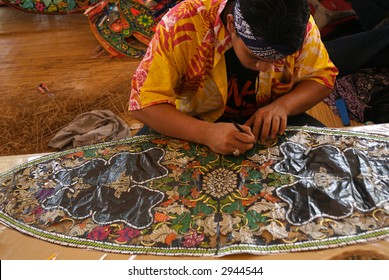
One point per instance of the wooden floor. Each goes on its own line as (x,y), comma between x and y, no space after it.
(56,49)
(48,48)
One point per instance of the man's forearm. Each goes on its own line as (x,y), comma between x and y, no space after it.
(303,97)
(167,120)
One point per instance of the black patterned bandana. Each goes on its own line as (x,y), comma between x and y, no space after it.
(258,45)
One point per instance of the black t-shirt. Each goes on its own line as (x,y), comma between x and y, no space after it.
(241,100)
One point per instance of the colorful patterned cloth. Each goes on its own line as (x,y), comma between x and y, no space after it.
(125,27)
(357,90)
(307,190)
(188,52)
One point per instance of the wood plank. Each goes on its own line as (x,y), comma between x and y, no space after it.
(51,48)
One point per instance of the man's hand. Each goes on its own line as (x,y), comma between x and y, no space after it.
(271,119)
(268,122)
(225,138)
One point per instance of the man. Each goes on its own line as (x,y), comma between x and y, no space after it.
(257,62)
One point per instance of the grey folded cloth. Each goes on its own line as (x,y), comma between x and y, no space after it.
(91,128)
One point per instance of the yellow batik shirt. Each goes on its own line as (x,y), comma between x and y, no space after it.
(185,65)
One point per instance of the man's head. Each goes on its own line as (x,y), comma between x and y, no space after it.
(271,29)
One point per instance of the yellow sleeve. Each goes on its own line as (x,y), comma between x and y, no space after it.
(313,62)
(156,76)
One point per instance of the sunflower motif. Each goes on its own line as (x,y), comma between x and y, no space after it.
(220,182)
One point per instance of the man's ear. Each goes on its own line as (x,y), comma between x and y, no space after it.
(230,23)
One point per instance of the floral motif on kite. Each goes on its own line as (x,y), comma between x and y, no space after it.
(157,195)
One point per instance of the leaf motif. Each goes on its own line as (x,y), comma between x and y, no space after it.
(313,230)
(173,193)
(324,139)
(182,222)
(160,234)
(71,4)
(277,231)
(275,151)
(254,219)
(265,155)
(269,189)
(293,235)
(262,206)
(266,171)
(365,223)
(48,2)
(81,229)
(208,224)
(300,137)
(177,144)
(227,223)
(184,190)
(254,188)
(202,208)
(28,4)
(277,213)
(173,209)
(235,206)
(344,228)
(176,174)
(244,235)
(50,216)
(258,158)
(175,158)
(317,235)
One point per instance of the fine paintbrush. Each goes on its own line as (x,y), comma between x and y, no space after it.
(238,127)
